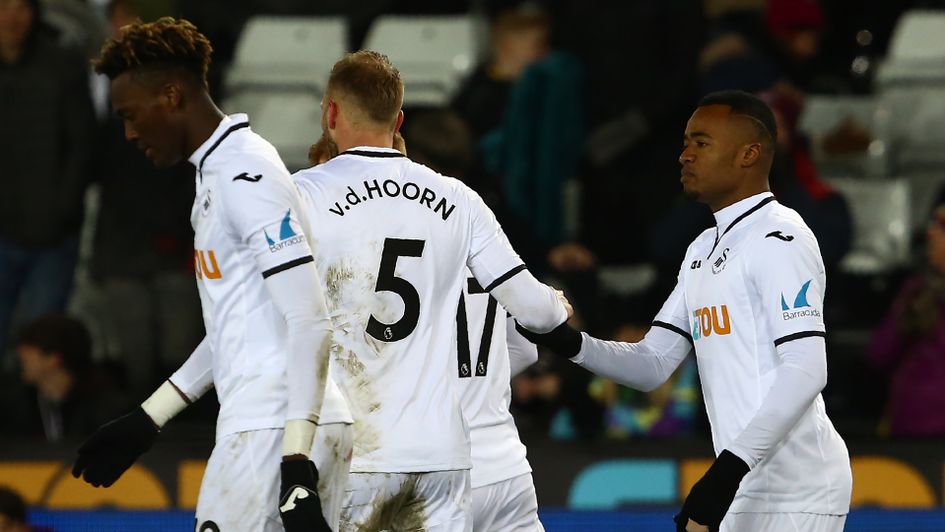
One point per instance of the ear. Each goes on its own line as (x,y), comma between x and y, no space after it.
(172,96)
(399,122)
(751,154)
(333,112)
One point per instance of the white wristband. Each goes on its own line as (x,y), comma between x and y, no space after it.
(298,437)
(164,404)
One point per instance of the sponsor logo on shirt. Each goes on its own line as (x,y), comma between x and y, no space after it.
(707,321)
(801,307)
(205,265)
(287,235)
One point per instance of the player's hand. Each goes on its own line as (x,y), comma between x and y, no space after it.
(564,301)
(299,505)
(693,526)
(114,447)
(710,498)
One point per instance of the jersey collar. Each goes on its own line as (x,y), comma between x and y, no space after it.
(372,151)
(727,218)
(227,125)
(736,212)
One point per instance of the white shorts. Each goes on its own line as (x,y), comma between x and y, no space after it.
(399,502)
(786,522)
(506,505)
(240,487)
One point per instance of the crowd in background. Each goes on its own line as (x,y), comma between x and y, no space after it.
(97,297)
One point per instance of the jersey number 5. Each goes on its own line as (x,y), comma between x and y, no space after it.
(462,333)
(388,282)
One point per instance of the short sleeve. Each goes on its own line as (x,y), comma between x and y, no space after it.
(261,208)
(790,282)
(491,257)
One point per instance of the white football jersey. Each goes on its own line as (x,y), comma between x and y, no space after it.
(392,240)
(483,368)
(752,283)
(246,204)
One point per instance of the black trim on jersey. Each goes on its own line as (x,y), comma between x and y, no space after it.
(462,340)
(798,336)
(474,287)
(225,134)
(364,153)
(744,215)
(671,327)
(505,277)
(288,266)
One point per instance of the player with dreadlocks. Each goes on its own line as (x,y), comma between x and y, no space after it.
(268,329)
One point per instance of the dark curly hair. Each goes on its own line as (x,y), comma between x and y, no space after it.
(167,44)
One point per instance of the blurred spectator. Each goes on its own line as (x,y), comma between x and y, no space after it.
(551,397)
(795,183)
(754,50)
(639,63)
(668,411)
(440,139)
(67,397)
(519,37)
(909,345)
(535,151)
(143,251)
(46,145)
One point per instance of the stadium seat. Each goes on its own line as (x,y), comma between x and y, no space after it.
(881,223)
(916,128)
(916,50)
(433,54)
(290,120)
(286,52)
(822,115)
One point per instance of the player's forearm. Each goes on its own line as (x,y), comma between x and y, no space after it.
(299,298)
(801,377)
(195,376)
(534,304)
(644,365)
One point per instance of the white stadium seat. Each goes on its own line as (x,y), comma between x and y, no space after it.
(283,52)
(916,51)
(434,54)
(881,223)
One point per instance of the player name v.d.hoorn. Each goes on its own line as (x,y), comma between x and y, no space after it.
(389,188)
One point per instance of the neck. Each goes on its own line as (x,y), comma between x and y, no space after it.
(738,195)
(57,386)
(365,138)
(203,121)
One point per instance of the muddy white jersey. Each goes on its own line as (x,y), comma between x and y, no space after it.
(755,282)
(392,240)
(246,227)
(484,330)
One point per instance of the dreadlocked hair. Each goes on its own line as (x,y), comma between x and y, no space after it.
(165,44)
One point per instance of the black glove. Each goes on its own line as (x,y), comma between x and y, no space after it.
(710,498)
(563,339)
(298,501)
(114,447)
